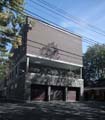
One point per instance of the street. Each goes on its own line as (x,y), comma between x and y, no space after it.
(53,111)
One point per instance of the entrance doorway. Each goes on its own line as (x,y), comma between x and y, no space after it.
(73,94)
(39,92)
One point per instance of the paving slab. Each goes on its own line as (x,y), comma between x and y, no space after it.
(53,111)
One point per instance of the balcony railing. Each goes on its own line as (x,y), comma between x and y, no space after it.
(50,79)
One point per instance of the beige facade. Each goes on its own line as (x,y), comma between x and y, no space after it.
(43,35)
(48,64)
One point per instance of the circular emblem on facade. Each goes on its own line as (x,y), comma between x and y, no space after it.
(50,51)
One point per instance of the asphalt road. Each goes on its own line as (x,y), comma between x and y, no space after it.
(53,111)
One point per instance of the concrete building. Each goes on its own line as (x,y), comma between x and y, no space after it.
(48,65)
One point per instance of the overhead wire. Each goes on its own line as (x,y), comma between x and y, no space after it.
(75,19)
(92,41)
(49,24)
(24,13)
(32,13)
(89,41)
(57,48)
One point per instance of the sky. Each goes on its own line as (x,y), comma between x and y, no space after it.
(79,16)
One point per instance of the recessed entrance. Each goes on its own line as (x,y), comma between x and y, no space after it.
(57,93)
(73,94)
(39,92)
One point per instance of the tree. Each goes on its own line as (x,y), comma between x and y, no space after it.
(94,63)
(11,24)
(4,68)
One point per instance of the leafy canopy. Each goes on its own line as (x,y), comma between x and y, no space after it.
(11,24)
(94,63)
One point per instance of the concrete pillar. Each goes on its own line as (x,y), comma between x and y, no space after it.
(49,93)
(66,91)
(81,73)
(27,82)
(81,85)
(27,64)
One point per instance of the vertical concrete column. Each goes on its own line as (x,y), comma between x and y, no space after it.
(82,86)
(66,91)
(27,64)
(27,82)
(49,93)
(81,73)
(82,89)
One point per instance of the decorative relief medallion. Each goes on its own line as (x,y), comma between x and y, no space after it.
(50,51)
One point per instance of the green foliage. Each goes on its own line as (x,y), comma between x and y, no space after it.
(3,69)
(11,19)
(94,63)
(11,23)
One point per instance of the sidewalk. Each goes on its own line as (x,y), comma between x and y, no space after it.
(53,111)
